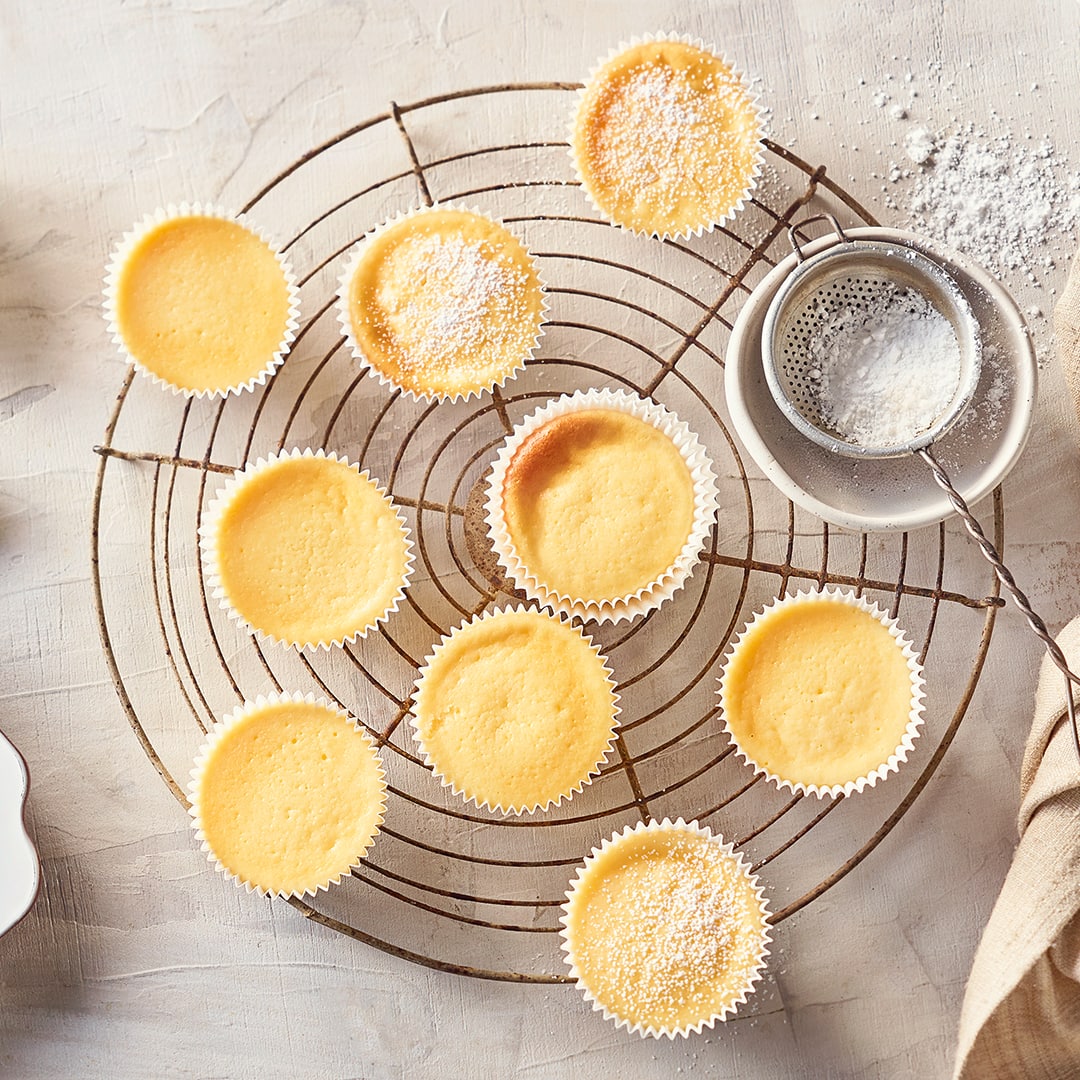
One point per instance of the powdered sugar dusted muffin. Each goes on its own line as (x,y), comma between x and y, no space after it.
(443,303)
(666,930)
(667,138)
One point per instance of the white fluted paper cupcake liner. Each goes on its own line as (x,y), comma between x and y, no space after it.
(915,715)
(208,540)
(637,1027)
(652,594)
(480,801)
(131,240)
(352,259)
(214,736)
(753,102)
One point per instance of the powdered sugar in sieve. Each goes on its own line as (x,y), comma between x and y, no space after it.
(884,363)
(870,349)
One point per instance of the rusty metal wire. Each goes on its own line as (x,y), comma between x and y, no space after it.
(423,879)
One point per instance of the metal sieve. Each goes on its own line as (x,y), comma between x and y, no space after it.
(848,275)
(845,278)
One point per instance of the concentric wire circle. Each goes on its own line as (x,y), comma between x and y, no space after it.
(447,886)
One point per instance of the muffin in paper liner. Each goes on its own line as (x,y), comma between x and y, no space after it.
(838,680)
(287,795)
(651,593)
(323,552)
(663,142)
(665,929)
(124,260)
(467,326)
(515,710)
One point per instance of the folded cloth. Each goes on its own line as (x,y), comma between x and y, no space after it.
(1021,1012)
(1067,331)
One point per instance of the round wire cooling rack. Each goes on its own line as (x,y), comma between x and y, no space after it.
(446,885)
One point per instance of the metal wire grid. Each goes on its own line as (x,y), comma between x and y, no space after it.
(474,881)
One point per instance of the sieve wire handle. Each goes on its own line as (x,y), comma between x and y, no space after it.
(1005,577)
(793,232)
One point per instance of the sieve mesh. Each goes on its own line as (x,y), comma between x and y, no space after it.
(853,277)
(799,377)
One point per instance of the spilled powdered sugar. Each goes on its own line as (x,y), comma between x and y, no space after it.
(991,198)
(919,145)
(1007,199)
(998,192)
(884,370)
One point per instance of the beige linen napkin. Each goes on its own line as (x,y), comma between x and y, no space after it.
(1021,1013)
(1067,331)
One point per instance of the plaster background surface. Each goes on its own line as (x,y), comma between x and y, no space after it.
(136,959)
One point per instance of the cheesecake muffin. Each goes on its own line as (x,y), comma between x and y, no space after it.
(665,929)
(287,795)
(599,505)
(667,138)
(515,710)
(443,303)
(200,300)
(822,693)
(305,549)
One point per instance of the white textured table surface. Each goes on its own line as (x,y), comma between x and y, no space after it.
(137,960)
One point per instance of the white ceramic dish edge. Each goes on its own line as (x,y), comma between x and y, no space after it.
(743,352)
(21,881)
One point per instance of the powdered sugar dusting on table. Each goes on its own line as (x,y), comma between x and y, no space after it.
(991,198)
(998,191)
(884,369)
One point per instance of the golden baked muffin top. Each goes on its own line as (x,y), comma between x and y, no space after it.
(443,303)
(665,929)
(818,692)
(203,303)
(598,504)
(288,795)
(307,550)
(515,710)
(666,139)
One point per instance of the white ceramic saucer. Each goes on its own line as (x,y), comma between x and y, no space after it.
(893,493)
(20,876)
